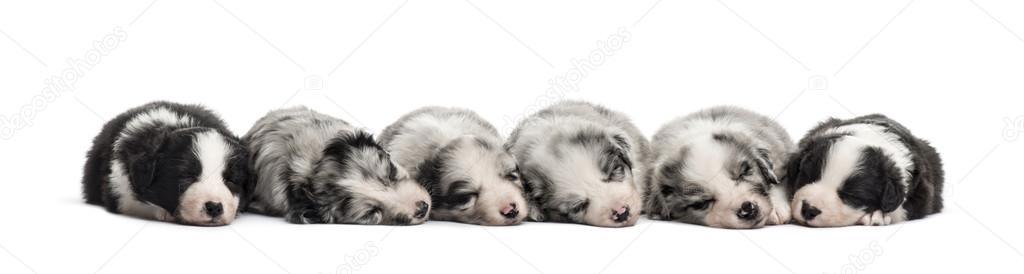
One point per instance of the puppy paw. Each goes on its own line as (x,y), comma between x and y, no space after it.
(876,218)
(780,215)
(163,216)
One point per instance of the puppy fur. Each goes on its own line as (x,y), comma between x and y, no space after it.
(868,170)
(168,162)
(581,163)
(459,157)
(717,167)
(313,168)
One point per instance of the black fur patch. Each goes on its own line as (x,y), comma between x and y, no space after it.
(876,185)
(342,148)
(158,158)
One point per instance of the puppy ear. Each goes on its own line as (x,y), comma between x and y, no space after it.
(765,166)
(893,192)
(140,153)
(302,206)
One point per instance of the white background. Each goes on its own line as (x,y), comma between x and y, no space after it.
(951,70)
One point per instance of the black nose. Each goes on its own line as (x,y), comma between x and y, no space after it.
(621,216)
(421,210)
(809,212)
(213,210)
(510,212)
(748,211)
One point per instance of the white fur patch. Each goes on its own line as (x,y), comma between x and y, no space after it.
(212,152)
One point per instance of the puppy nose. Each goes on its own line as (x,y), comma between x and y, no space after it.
(620,215)
(809,212)
(421,210)
(510,211)
(748,211)
(213,209)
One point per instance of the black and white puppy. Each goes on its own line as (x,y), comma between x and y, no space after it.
(459,157)
(312,168)
(169,162)
(717,167)
(581,163)
(868,170)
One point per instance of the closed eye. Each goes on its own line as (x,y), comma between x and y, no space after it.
(580,207)
(702,205)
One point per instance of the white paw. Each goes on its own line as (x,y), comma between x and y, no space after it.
(164,216)
(876,218)
(780,215)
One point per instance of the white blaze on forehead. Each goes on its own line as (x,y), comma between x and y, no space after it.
(840,163)
(876,136)
(158,116)
(212,151)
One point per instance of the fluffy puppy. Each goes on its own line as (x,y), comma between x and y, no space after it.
(169,162)
(581,163)
(717,167)
(459,158)
(313,168)
(868,170)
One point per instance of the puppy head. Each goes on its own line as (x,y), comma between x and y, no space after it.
(840,179)
(721,181)
(196,174)
(585,177)
(357,183)
(474,180)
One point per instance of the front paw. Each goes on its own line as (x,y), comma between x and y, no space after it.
(780,215)
(876,218)
(163,216)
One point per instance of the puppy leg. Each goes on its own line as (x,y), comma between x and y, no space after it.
(876,218)
(781,212)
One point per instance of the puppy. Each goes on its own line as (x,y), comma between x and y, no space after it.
(459,158)
(313,169)
(717,167)
(581,163)
(868,170)
(168,162)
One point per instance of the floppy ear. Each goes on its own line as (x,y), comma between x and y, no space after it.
(302,207)
(893,192)
(140,153)
(765,166)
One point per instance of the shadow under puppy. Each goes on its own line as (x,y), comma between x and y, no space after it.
(581,163)
(717,167)
(169,162)
(459,157)
(312,168)
(868,170)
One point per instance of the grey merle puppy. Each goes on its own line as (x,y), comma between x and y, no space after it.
(314,168)
(720,167)
(459,157)
(581,163)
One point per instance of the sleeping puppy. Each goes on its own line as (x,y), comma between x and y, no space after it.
(459,158)
(169,162)
(581,163)
(717,167)
(864,171)
(313,169)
